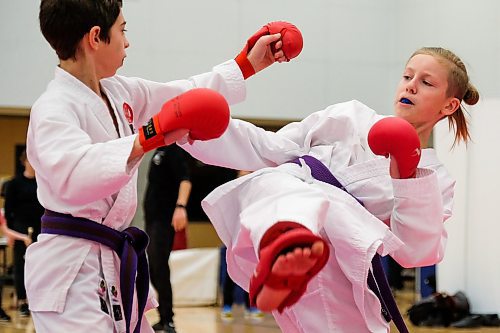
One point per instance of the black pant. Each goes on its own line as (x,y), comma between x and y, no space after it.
(394,275)
(161,241)
(228,292)
(1,291)
(19,252)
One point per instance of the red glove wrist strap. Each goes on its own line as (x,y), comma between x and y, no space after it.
(245,66)
(148,136)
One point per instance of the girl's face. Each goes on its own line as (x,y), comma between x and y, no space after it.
(421,94)
(112,55)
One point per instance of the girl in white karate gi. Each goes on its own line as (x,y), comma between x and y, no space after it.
(83,144)
(401,217)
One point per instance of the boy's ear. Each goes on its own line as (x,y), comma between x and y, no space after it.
(93,36)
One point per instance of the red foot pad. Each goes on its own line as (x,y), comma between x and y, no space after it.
(299,237)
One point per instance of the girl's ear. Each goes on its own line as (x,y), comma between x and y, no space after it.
(452,106)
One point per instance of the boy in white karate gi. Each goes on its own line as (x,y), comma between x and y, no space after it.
(87,134)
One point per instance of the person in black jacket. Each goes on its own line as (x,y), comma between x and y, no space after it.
(4,317)
(23,213)
(167,194)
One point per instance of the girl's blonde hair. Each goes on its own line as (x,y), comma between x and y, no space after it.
(459,86)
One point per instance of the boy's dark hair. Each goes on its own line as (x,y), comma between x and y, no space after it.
(64,22)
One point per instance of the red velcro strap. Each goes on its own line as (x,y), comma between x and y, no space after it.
(149,137)
(245,66)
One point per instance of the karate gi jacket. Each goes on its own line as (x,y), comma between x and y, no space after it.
(82,170)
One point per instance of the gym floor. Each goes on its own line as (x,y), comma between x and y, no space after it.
(207,320)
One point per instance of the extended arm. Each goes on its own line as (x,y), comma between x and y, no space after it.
(244,146)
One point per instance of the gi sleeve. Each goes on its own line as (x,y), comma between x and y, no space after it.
(417,219)
(147,97)
(245,146)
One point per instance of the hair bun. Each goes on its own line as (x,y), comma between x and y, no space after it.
(471,96)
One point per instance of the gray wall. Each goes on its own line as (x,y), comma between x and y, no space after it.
(471,260)
(352,48)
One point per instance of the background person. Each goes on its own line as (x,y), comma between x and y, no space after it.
(23,213)
(229,288)
(167,195)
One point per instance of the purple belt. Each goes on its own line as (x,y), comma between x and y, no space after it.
(377,280)
(130,245)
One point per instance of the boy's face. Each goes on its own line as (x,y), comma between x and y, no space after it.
(112,55)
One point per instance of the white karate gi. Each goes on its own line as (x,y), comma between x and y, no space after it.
(338,298)
(82,170)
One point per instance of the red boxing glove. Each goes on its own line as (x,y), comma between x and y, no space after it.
(204,112)
(291,39)
(397,138)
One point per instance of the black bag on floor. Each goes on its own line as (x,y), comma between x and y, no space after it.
(439,309)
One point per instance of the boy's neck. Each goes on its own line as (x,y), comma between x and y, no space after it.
(83,70)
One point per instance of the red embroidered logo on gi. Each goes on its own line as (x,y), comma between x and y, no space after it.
(129,114)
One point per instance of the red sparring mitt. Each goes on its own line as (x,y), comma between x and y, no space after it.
(397,138)
(204,112)
(290,37)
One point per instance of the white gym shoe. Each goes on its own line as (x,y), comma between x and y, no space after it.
(254,314)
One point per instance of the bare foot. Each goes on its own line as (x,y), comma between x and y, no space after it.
(294,263)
